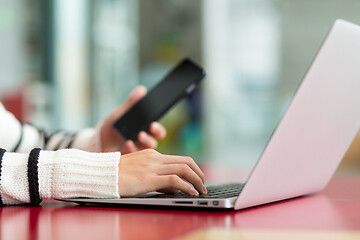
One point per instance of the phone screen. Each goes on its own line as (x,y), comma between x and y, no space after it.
(176,85)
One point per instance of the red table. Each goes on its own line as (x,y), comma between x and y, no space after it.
(334,213)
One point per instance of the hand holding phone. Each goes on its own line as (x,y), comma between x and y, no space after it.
(181,81)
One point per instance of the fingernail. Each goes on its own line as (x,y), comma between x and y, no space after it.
(194,192)
(204,190)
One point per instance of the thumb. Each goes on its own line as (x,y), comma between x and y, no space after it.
(136,95)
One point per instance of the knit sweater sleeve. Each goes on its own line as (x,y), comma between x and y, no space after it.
(64,173)
(22,137)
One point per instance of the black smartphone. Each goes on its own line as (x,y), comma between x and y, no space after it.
(180,82)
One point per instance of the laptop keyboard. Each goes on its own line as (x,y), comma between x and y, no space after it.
(218,191)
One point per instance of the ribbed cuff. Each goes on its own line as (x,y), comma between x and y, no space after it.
(71,173)
(88,139)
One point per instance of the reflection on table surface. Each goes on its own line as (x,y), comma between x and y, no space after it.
(337,208)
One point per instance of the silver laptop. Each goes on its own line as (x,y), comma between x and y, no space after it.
(309,142)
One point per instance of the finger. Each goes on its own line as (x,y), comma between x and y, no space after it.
(146,141)
(185,172)
(187,160)
(157,130)
(168,190)
(155,156)
(175,182)
(138,93)
(130,146)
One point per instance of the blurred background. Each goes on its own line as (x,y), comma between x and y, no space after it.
(66,64)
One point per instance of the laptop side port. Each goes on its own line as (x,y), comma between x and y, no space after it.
(215,203)
(183,202)
(203,203)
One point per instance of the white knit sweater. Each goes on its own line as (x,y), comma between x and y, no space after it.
(76,170)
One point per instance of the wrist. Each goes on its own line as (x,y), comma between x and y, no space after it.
(89,139)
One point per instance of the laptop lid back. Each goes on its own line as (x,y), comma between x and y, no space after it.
(318,127)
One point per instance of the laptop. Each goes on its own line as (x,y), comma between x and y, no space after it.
(308,143)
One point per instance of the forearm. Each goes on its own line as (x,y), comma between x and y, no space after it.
(19,137)
(61,174)
(87,139)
